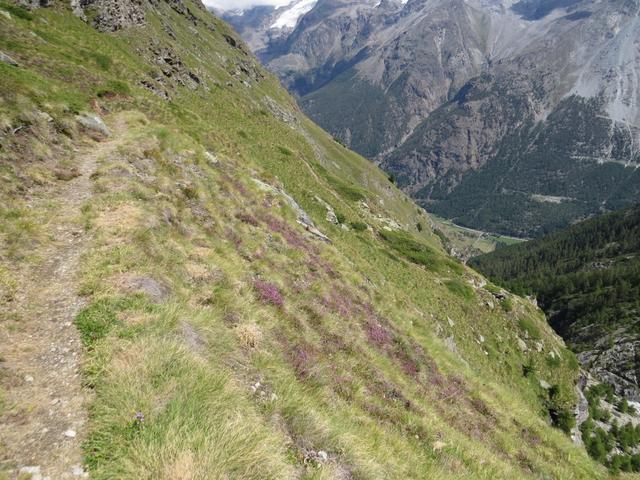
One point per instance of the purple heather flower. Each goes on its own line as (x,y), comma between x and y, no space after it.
(268,293)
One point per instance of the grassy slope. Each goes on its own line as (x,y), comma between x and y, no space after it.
(271,345)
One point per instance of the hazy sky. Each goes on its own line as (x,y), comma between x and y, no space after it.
(241,4)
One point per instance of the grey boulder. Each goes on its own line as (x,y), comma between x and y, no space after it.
(8,60)
(93,123)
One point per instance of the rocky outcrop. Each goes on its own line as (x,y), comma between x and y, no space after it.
(155,290)
(614,360)
(331,216)
(93,123)
(303,218)
(8,60)
(581,411)
(172,66)
(113,15)
(34,3)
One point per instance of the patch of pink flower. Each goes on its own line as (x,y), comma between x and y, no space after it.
(302,361)
(378,334)
(339,303)
(233,237)
(268,293)
(292,238)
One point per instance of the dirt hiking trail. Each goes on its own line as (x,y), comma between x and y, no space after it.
(43,422)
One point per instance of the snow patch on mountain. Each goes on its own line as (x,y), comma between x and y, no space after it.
(292,13)
(239,7)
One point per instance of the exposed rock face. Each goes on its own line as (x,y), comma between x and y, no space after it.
(173,68)
(155,290)
(116,14)
(113,15)
(93,123)
(615,361)
(34,3)
(331,216)
(460,97)
(581,411)
(303,217)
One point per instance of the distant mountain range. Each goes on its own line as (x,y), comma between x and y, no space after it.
(518,117)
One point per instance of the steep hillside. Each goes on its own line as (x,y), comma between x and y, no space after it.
(501,115)
(587,279)
(198,282)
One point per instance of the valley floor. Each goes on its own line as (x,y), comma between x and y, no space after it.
(465,243)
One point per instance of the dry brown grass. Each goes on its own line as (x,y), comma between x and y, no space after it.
(120,222)
(249,335)
(136,318)
(182,468)
(199,273)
